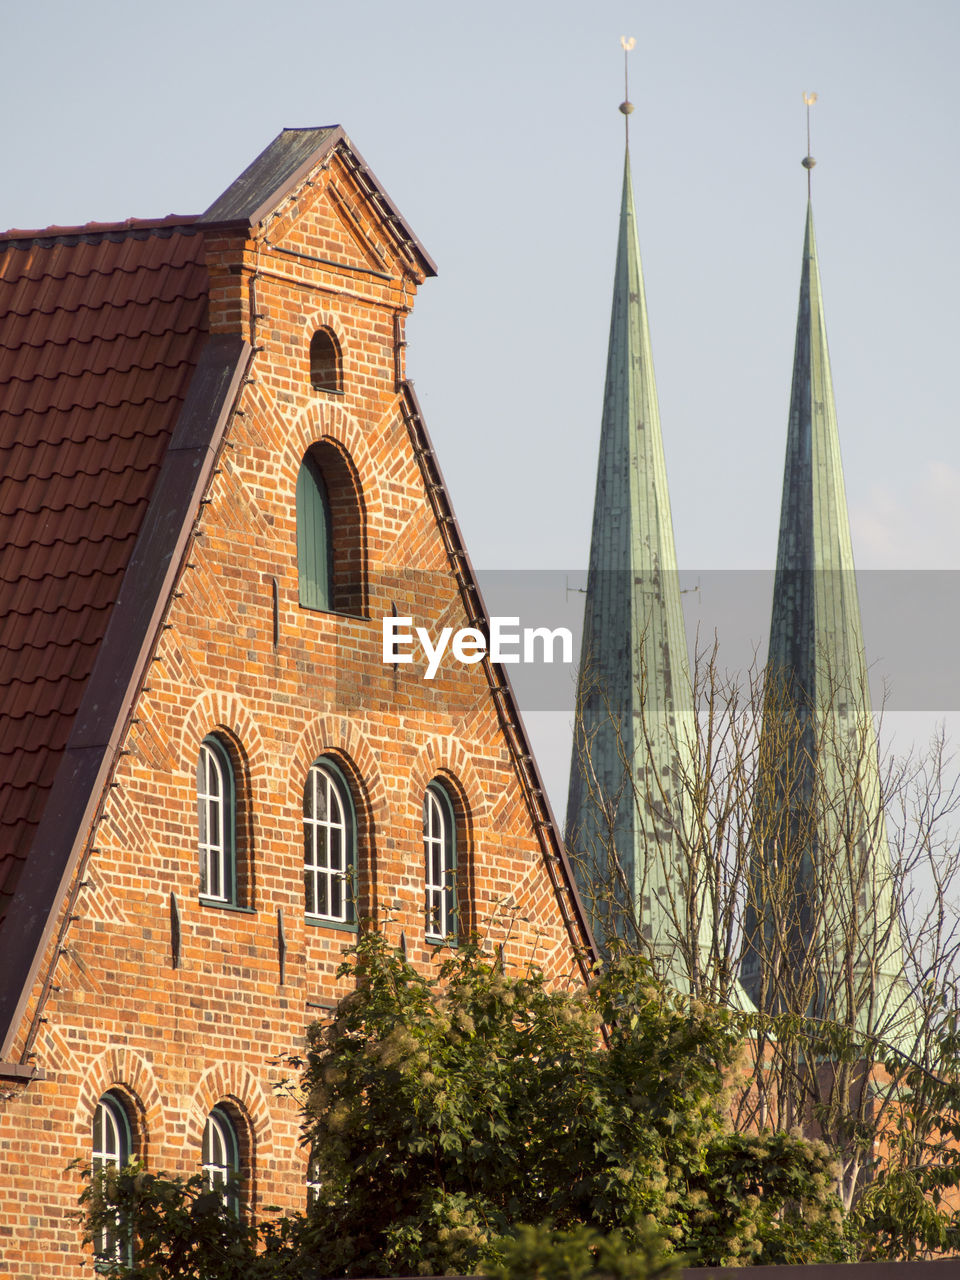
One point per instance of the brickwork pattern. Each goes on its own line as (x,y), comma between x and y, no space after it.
(175,1041)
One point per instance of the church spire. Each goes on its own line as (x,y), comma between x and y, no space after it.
(635,705)
(821,932)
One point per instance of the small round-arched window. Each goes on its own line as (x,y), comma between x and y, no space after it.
(326,361)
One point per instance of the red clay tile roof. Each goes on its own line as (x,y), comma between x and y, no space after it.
(96,323)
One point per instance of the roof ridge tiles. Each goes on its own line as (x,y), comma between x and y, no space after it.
(47,279)
(90,230)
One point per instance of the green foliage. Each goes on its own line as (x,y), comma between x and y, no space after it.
(444,1112)
(537,1253)
(479,1119)
(911,1205)
(181,1226)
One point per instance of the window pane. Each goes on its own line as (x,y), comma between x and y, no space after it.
(439,851)
(220,1151)
(328,846)
(215,822)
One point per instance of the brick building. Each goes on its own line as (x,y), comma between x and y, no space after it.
(215,482)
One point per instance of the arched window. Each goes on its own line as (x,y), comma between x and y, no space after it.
(216,820)
(329,846)
(326,362)
(314,537)
(221,1156)
(331,539)
(440,859)
(112,1149)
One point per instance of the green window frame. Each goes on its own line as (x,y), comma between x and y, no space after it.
(216,822)
(314,538)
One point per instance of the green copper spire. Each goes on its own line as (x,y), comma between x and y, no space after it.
(635,705)
(821,932)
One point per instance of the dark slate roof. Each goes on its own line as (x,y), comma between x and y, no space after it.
(100,331)
(285,162)
(281,165)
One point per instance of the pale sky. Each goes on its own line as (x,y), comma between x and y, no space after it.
(494,127)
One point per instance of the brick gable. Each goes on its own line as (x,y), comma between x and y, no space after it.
(140,986)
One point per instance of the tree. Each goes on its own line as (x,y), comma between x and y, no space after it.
(778,840)
(445,1113)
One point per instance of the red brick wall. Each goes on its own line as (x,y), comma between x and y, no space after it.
(178,1041)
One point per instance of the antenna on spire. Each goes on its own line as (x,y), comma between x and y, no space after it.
(808,161)
(626,106)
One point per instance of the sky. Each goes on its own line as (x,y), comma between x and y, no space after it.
(495,129)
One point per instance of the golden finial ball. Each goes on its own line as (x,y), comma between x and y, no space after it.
(808,162)
(626,108)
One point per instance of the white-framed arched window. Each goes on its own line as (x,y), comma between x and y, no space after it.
(216,822)
(329,846)
(221,1155)
(440,864)
(112,1148)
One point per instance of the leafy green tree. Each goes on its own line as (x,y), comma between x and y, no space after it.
(538,1253)
(444,1113)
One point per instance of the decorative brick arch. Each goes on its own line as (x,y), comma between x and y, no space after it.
(321,421)
(124,1071)
(446,758)
(319,319)
(215,710)
(339,739)
(232,1083)
(324,443)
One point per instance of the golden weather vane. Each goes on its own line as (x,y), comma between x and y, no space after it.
(626,106)
(808,161)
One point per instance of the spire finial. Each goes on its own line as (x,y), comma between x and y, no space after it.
(808,161)
(626,106)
